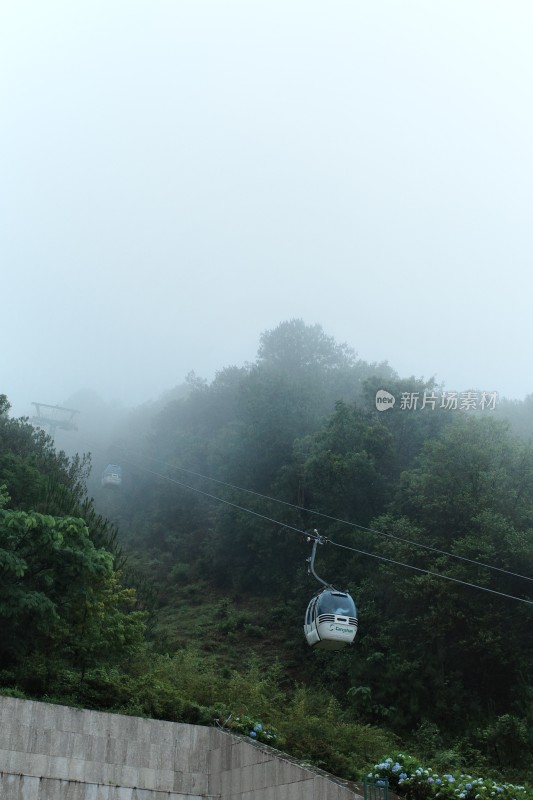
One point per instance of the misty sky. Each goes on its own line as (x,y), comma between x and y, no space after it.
(178,177)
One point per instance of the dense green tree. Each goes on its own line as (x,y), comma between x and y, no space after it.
(344,467)
(59,594)
(411,425)
(519,415)
(462,651)
(293,345)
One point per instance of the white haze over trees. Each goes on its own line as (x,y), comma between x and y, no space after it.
(178,177)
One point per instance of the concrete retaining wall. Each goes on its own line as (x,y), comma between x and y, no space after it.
(50,752)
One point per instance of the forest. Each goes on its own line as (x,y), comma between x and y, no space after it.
(181,594)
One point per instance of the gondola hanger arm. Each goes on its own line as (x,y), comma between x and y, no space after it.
(317,539)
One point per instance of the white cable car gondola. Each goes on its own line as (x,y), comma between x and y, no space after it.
(112,476)
(331,616)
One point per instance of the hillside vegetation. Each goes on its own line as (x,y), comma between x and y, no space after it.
(181,595)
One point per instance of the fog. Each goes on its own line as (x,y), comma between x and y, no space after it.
(178,177)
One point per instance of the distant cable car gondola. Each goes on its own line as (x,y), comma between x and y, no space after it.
(331,616)
(112,476)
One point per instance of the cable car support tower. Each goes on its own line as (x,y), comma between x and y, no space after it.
(54,417)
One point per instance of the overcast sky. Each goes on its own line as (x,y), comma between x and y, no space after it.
(178,177)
